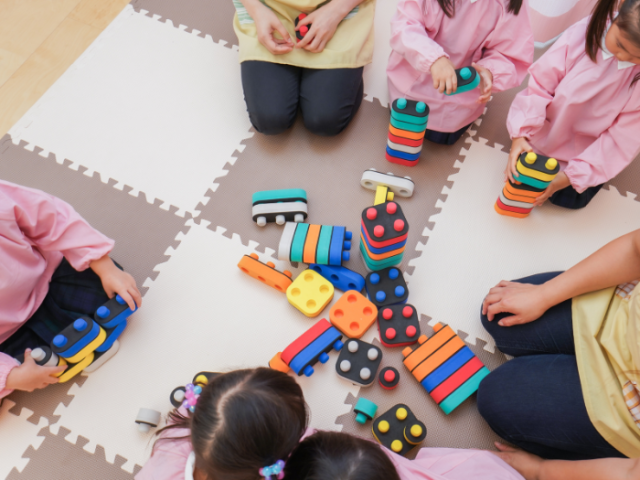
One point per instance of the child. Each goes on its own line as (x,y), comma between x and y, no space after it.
(582,105)
(243,421)
(53,266)
(431,38)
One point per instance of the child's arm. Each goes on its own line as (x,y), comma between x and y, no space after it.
(267,24)
(26,377)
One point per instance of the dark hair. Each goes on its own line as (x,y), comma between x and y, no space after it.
(339,456)
(449,7)
(244,420)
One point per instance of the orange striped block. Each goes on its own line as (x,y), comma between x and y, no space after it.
(311,244)
(427,346)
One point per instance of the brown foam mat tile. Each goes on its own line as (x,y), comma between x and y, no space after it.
(208,17)
(56,458)
(142,231)
(628,181)
(462,428)
(329,169)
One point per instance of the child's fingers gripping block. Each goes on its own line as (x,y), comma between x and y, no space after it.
(113,312)
(353,314)
(468,79)
(304,29)
(310,293)
(266,273)
(78,340)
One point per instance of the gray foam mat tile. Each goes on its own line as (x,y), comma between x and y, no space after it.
(329,169)
(59,459)
(210,17)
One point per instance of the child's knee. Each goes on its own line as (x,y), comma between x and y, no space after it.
(272,122)
(325,123)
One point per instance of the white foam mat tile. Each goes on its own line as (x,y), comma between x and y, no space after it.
(201,313)
(17,435)
(471,248)
(375,74)
(149,105)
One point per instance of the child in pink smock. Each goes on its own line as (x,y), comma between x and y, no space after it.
(432,38)
(53,266)
(582,105)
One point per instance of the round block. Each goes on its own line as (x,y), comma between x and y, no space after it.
(387,313)
(551,164)
(390,333)
(353,347)
(392,207)
(38,354)
(365,408)
(59,341)
(420,107)
(308,370)
(378,231)
(365,373)
(399,291)
(372,213)
(120,300)
(372,354)
(393,273)
(411,331)
(398,225)
(401,413)
(361,419)
(407,311)
(465,73)
(374,278)
(530,158)
(389,378)
(103,312)
(324,357)
(396,446)
(79,325)
(345,365)
(381,296)
(383,426)
(402,103)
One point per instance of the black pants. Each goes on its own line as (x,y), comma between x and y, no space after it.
(328,98)
(569,198)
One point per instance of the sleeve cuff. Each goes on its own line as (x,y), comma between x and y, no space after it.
(427,61)
(7,364)
(578,177)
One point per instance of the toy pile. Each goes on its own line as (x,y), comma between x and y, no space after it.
(406,131)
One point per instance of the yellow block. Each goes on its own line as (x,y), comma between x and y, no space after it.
(529,172)
(383,194)
(310,292)
(99,340)
(73,370)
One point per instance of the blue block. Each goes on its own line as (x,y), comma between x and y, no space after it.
(341,277)
(447,369)
(113,312)
(312,352)
(112,336)
(81,343)
(389,248)
(404,156)
(340,244)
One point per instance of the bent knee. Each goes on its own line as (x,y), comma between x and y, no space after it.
(272,122)
(325,124)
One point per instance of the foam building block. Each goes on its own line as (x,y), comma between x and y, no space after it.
(402,186)
(399,430)
(113,312)
(365,410)
(112,335)
(383,235)
(389,378)
(78,340)
(359,362)
(353,314)
(341,277)
(468,79)
(304,29)
(279,206)
(398,325)
(265,272)
(147,419)
(310,292)
(102,357)
(387,287)
(407,126)
(447,369)
(74,369)
(201,378)
(43,356)
(309,348)
(320,244)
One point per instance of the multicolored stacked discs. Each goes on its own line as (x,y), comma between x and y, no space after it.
(535,172)
(406,131)
(321,244)
(383,235)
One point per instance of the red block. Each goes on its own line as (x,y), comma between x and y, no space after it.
(304,340)
(400,161)
(509,208)
(405,141)
(447,387)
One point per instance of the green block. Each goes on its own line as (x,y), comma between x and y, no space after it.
(365,410)
(468,79)
(403,117)
(379,264)
(324,245)
(297,246)
(464,391)
(408,126)
(284,195)
(532,182)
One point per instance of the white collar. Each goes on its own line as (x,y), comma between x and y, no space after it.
(190,466)
(606,54)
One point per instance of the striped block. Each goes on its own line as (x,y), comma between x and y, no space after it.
(320,244)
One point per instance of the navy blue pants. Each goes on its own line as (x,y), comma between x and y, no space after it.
(535,400)
(444,138)
(569,198)
(327,98)
(71,293)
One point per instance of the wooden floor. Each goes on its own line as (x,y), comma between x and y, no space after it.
(39,40)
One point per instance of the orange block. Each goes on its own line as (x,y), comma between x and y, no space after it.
(266,273)
(311,244)
(353,314)
(406,133)
(517,198)
(427,346)
(438,358)
(509,213)
(519,192)
(380,256)
(276,363)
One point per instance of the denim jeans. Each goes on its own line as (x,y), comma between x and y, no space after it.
(535,400)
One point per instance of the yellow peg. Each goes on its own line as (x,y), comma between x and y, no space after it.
(530,158)
(551,164)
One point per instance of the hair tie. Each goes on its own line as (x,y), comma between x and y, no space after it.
(191,395)
(275,469)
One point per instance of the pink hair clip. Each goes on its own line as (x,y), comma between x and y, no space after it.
(191,395)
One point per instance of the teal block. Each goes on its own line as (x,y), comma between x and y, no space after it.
(464,391)
(297,246)
(284,195)
(380,264)
(464,85)
(532,182)
(403,117)
(324,245)
(408,126)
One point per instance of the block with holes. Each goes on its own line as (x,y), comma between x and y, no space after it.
(389,378)
(265,272)
(383,234)
(341,277)
(407,126)
(353,314)
(447,368)
(308,243)
(309,348)
(399,430)
(398,325)
(386,287)
(359,362)
(310,292)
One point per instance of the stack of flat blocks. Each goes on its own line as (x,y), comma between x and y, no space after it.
(535,172)
(383,236)
(406,131)
(321,244)
(447,369)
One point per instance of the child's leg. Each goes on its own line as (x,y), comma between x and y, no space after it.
(536,403)
(271,92)
(551,333)
(569,198)
(330,98)
(444,138)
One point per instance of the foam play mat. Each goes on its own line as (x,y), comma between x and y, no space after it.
(147,136)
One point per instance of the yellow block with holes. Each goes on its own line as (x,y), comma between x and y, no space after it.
(310,292)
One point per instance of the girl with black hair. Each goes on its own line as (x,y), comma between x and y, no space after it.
(432,38)
(582,105)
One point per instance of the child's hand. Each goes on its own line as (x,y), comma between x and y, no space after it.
(324,21)
(267,23)
(527,464)
(486,82)
(444,75)
(115,281)
(561,181)
(518,145)
(30,376)
(526,303)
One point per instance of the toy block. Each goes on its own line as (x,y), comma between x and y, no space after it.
(384,224)
(311,244)
(341,277)
(383,194)
(284,247)
(299,238)
(519,188)
(100,358)
(147,419)
(409,119)
(266,273)
(373,265)
(304,29)
(304,340)
(380,256)
(365,410)
(316,351)
(509,208)
(411,127)
(507,213)
(310,292)
(203,378)
(508,194)
(394,247)
(468,79)
(398,147)
(386,287)
(324,245)
(400,161)
(78,340)
(427,346)
(410,110)
(44,357)
(438,358)
(404,141)
(279,213)
(399,430)
(399,132)
(389,378)
(398,325)
(277,196)
(199,379)
(359,362)
(340,244)
(353,314)
(112,334)
(514,203)
(177,396)
(113,312)
(448,368)
(464,391)
(75,368)
(539,167)
(402,155)
(533,182)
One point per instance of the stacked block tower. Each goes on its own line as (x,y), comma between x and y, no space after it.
(383,236)
(535,172)
(406,131)
(321,244)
